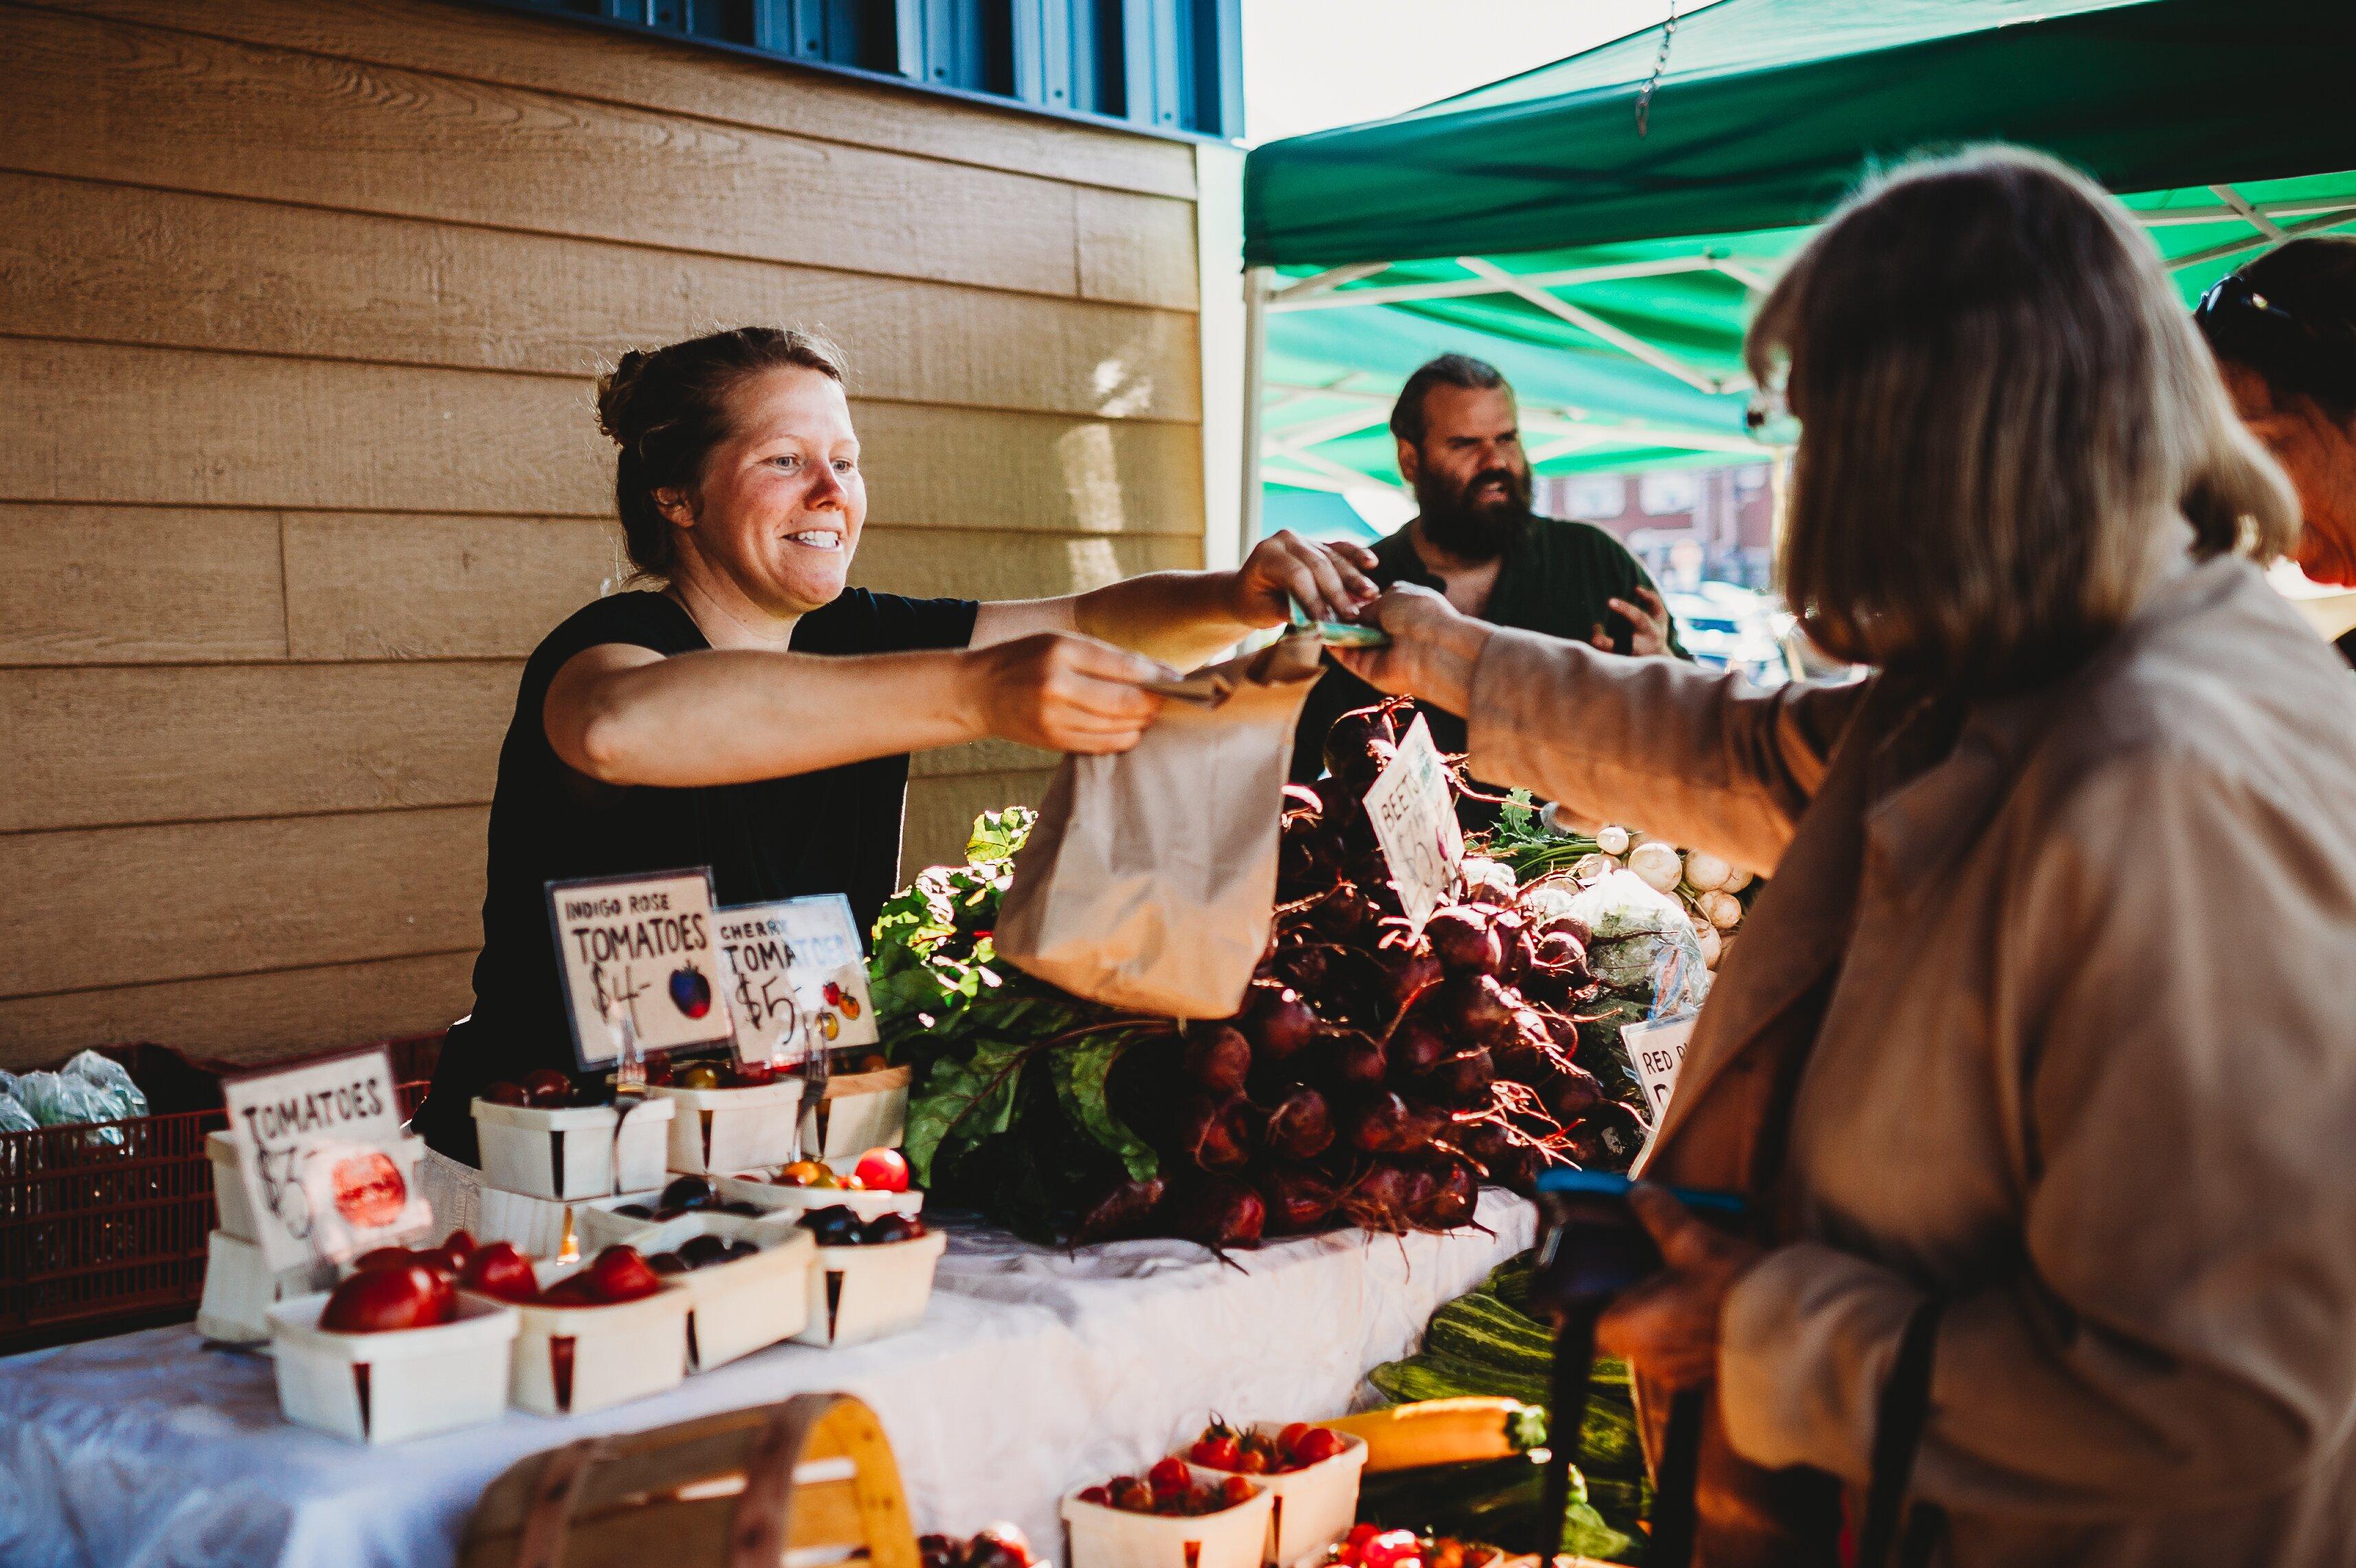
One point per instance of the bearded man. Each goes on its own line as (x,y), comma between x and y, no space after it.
(1477,541)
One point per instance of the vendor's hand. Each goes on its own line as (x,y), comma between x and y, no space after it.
(1666,1329)
(1651,620)
(1433,648)
(1065,693)
(1330,580)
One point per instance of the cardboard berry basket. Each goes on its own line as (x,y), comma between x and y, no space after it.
(733,1128)
(863,1292)
(749,1187)
(745,1305)
(597,1226)
(398,1384)
(1105,1537)
(240,1289)
(569,1359)
(580,1151)
(857,1111)
(1314,1507)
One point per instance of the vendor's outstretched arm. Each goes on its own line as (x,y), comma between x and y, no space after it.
(1695,757)
(625,714)
(1186,617)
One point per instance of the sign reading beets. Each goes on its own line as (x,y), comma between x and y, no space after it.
(642,951)
(322,1158)
(1413,812)
(800,980)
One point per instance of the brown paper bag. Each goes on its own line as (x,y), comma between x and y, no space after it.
(1149,881)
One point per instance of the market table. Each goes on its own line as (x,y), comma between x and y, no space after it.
(1034,1371)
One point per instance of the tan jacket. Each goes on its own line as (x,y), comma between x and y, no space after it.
(2086,1069)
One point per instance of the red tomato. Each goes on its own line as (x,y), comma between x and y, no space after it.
(1290,1438)
(499,1270)
(1317,1444)
(1217,1452)
(1235,1489)
(1391,1549)
(882,1170)
(620,1274)
(1169,1475)
(410,1297)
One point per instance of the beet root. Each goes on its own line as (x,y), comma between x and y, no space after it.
(1474,1010)
(1298,1198)
(1382,1123)
(1278,1024)
(1215,1133)
(1126,1211)
(1219,1212)
(1378,1200)
(1218,1059)
(1349,743)
(1571,1093)
(1463,940)
(1415,1049)
(1463,1079)
(1454,1193)
(1301,1127)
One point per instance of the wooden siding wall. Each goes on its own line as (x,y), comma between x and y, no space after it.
(299,301)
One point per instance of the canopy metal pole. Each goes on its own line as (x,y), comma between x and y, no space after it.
(1258,283)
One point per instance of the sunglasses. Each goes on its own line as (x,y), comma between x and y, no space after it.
(2242,323)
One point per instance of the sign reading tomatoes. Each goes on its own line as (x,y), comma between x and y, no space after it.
(326,1168)
(799,978)
(638,953)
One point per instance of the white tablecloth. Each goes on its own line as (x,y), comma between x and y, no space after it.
(1034,1371)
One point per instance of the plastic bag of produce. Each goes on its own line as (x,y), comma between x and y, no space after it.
(14,1117)
(113,1080)
(1643,938)
(1150,879)
(57,1101)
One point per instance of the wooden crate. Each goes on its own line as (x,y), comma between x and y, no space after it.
(736,1490)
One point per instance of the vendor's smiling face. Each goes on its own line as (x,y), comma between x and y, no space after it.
(781,502)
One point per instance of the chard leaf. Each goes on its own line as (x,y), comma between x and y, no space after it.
(1080,1070)
(962,1102)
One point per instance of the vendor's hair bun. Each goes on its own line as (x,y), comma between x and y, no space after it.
(615,389)
(667,408)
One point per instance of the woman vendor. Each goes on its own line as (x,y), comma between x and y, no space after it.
(751,713)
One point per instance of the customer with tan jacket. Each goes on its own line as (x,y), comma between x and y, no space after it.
(2047,1021)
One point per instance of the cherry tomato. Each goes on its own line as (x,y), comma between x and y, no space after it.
(1215,1453)
(1101,1496)
(1170,1474)
(1391,1549)
(883,1170)
(1290,1438)
(1235,1489)
(1316,1445)
(1354,1545)
(1252,1462)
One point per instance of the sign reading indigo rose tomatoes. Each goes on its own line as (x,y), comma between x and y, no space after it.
(800,979)
(642,951)
(320,1153)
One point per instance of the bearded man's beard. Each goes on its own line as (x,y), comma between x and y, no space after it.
(1483,526)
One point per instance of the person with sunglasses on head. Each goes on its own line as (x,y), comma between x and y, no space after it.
(2284,331)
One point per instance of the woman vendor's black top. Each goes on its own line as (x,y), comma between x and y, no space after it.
(835,831)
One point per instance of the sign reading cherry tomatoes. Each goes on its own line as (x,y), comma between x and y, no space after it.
(798,978)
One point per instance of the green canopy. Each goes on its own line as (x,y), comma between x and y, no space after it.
(1610,273)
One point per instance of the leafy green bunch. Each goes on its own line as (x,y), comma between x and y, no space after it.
(1010,1107)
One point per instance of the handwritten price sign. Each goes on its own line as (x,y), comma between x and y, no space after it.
(1414,816)
(640,949)
(320,1153)
(799,978)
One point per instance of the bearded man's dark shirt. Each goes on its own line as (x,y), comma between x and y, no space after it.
(1553,576)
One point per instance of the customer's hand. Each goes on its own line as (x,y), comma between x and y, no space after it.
(1650,620)
(1064,691)
(1433,648)
(1330,580)
(1666,1329)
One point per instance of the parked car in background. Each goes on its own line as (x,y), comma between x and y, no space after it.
(1730,627)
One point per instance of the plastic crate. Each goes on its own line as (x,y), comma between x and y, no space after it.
(102,1226)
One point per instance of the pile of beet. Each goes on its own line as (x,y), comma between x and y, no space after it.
(1373,1077)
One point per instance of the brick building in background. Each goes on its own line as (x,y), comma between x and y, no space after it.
(1686,524)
